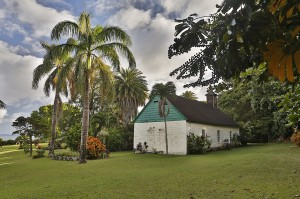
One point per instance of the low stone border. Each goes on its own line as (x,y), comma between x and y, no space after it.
(65,158)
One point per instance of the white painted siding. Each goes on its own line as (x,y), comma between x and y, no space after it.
(153,133)
(211,132)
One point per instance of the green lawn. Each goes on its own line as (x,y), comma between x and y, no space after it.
(260,171)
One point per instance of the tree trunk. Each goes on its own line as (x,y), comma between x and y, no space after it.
(85,122)
(166,136)
(53,124)
(30,142)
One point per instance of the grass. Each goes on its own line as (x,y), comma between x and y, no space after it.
(258,171)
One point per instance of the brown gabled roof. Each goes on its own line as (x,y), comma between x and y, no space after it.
(200,112)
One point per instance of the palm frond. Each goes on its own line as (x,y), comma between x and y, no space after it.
(122,49)
(39,72)
(64,28)
(84,23)
(112,34)
(110,54)
(50,82)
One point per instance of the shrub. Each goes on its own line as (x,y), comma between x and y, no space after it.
(40,153)
(235,140)
(197,144)
(296,138)
(72,137)
(142,148)
(118,138)
(94,147)
(26,148)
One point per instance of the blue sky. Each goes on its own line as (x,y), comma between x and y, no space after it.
(24,23)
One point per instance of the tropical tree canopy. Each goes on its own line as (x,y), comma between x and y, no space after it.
(240,35)
(52,66)
(131,92)
(92,47)
(163,90)
(255,105)
(189,95)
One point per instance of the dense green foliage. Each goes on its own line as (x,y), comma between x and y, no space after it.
(240,35)
(189,95)
(290,104)
(119,138)
(7,142)
(243,172)
(131,92)
(255,105)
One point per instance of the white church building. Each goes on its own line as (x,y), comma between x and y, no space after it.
(186,116)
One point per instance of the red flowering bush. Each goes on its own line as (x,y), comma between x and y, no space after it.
(296,138)
(94,147)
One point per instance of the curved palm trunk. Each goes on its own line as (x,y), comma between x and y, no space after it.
(53,124)
(85,122)
(166,136)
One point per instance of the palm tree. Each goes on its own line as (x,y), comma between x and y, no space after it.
(131,92)
(2,104)
(91,47)
(102,91)
(189,95)
(51,66)
(163,90)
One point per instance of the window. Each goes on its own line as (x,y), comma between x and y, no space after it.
(218,136)
(203,132)
(230,135)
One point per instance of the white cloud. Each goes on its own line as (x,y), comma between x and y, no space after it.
(150,48)
(131,18)
(174,5)
(202,8)
(20,50)
(185,8)
(42,19)
(3,113)
(9,28)
(2,13)
(101,6)
(16,75)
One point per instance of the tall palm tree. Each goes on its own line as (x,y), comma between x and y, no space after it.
(189,95)
(2,104)
(131,92)
(88,45)
(102,89)
(51,66)
(164,90)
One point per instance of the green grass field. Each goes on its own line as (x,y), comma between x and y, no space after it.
(258,171)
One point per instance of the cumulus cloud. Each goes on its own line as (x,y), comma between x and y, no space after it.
(185,8)
(152,38)
(16,75)
(131,18)
(2,13)
(3,113)
(42,19)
